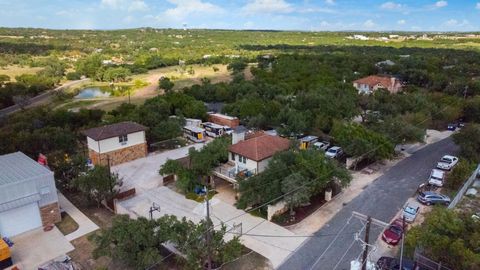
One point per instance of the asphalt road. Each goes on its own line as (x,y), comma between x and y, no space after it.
(39,99)
(334,248)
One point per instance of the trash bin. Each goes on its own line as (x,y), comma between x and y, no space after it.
(328,195)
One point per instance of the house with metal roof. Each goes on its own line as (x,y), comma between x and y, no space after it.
(117,143)
(28,196)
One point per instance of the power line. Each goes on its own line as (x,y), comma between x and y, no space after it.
(288,193)
(331,243)
(351,245)
(295,236)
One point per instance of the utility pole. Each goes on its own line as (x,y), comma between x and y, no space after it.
(154,207)
(367,236)
(208,235)
(403,242)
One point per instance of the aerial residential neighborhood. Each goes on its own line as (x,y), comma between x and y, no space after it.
(250,135)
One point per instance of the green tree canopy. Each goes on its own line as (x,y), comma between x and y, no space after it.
(469,141)
(316,171)
(139,242)
(201,163)
(166,84)
(359,141)
(98,184)
(449,237)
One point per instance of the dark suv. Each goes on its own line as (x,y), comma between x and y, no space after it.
(389,263)
(430,197)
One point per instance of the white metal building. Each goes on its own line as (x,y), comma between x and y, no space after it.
(28,196)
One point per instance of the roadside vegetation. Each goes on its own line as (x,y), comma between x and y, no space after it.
(299,175)
(447,236)
(139,242)
(201,162)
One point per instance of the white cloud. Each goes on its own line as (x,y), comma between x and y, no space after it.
(114,4)
(185,8)
(401,22)
(456,23)
(451,22)
(369,24)
(477,6)
(128,19)
(441,4)
(316,10)
(130,5)
(330,2)
(391,6)
(267,6)
(324,24)
(249,25)
(138,5)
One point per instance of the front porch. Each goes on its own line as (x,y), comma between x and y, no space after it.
(230,171)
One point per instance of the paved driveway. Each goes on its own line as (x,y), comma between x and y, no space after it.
(276,249)
(382,200)
(36,247)
(142,173)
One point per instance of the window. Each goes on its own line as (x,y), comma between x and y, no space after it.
(233,156)
(123,139)
(242,159)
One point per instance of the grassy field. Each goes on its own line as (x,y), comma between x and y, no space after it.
(150,89)
(13,71)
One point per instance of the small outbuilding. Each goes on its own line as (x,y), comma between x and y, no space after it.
(28,196)
(117,143)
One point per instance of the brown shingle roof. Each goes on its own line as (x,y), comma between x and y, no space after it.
(261,147)
(114,130)
(373,80)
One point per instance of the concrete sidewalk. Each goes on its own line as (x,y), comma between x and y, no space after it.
(256,231)
(142,174)
(85,225)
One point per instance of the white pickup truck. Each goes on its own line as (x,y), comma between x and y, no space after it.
(436,178)
(447,162)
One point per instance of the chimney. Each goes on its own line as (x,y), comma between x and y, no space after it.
(238,134)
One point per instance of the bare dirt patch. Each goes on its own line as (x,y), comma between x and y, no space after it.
(67,225)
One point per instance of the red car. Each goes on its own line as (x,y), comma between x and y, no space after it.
(394,232)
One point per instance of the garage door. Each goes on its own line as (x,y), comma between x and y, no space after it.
(19,220)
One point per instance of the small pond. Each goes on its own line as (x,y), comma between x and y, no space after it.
(101,92)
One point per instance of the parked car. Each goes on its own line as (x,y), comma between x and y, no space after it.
(389,263)
(410,211)
(447,162)
(322,145)
(430,198)
(228,130)
(334,152)
(452,126)
(436,178)
(394,232)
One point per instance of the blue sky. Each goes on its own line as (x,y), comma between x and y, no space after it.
(320,15)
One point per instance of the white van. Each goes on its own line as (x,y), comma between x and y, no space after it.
(436,178)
